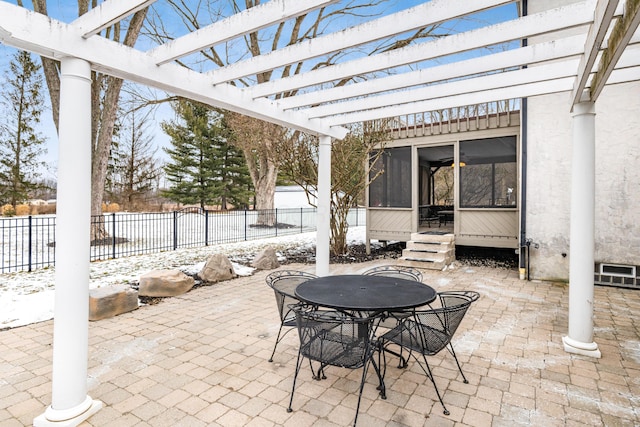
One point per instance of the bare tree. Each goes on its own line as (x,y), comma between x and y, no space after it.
(260,140)
(134,168)
(349,178)
(105,93)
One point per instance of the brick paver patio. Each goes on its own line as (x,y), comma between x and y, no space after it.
(201,360)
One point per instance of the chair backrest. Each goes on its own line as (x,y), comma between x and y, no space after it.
(453,298)
(284,284)
(397,271)
(437,326)
(333,337)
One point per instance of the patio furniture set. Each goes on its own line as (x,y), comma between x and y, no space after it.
(346,320)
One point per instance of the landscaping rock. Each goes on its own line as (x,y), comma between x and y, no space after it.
(217,269)
(266,260)
(165,283)
(109,301)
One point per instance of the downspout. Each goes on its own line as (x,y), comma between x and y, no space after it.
(524,243)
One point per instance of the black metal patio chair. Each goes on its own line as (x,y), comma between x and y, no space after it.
(284,285)
(394,271)
(427,332)
(397,271)
(334,338)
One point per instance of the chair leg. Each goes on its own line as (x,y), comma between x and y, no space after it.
(320,374)
(429,374)
(362,381)
(295,377)
(453,353)
(276,344)
(402,362)
(378,366)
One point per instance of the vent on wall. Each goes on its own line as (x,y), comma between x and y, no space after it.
(618,270)
(617,275)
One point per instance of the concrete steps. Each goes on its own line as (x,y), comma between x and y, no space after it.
(429,250)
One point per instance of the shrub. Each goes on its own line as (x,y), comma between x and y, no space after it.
(22,210)
(7,210)
(47,209)
(111,207)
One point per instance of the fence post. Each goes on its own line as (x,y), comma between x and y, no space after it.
(30,235)
(206,227)
(113,235)
(175,230)
(276,224)
(245,224)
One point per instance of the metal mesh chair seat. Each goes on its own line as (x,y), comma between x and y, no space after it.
(284,285)
(333,338)
(427,332)
(342,349)
(416,337)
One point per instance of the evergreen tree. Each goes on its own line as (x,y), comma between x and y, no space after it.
(20,143)
(233,178)
(204,169)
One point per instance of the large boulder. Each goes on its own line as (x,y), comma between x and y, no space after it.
(217,269)
(109,301)
(266,260)
(164,283)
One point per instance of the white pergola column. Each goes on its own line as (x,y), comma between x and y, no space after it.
(324,207)
(70,404)
(582,243)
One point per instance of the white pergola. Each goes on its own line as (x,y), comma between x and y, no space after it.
(601,48)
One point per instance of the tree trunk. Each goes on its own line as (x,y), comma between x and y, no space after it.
(339,227)
(265,191)
(103,120)
(100,158)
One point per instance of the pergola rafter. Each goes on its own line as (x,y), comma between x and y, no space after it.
(572,16)
(424,15)
(571,46)
(589,18)
(247,21)
(108,13)
(621,34)
(57,40)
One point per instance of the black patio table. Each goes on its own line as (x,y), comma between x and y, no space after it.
(371,295)
(359,292)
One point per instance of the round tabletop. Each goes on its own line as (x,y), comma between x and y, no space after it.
(365,293)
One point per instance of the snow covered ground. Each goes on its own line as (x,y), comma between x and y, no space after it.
(28,297)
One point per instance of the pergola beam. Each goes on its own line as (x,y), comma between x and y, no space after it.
(574,15)
(528,55)
(245,22)
(107,13)
(604,13)
(55,39)
(552,71)
(621,34)
(481,97)
(421,16)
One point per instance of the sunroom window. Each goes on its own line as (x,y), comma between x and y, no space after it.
(489,173)
(393,187)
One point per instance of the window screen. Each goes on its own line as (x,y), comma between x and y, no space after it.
(489,177)
(393,187)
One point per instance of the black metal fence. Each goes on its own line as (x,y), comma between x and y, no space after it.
(28,243)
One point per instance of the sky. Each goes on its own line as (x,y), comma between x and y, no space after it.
(66,11)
